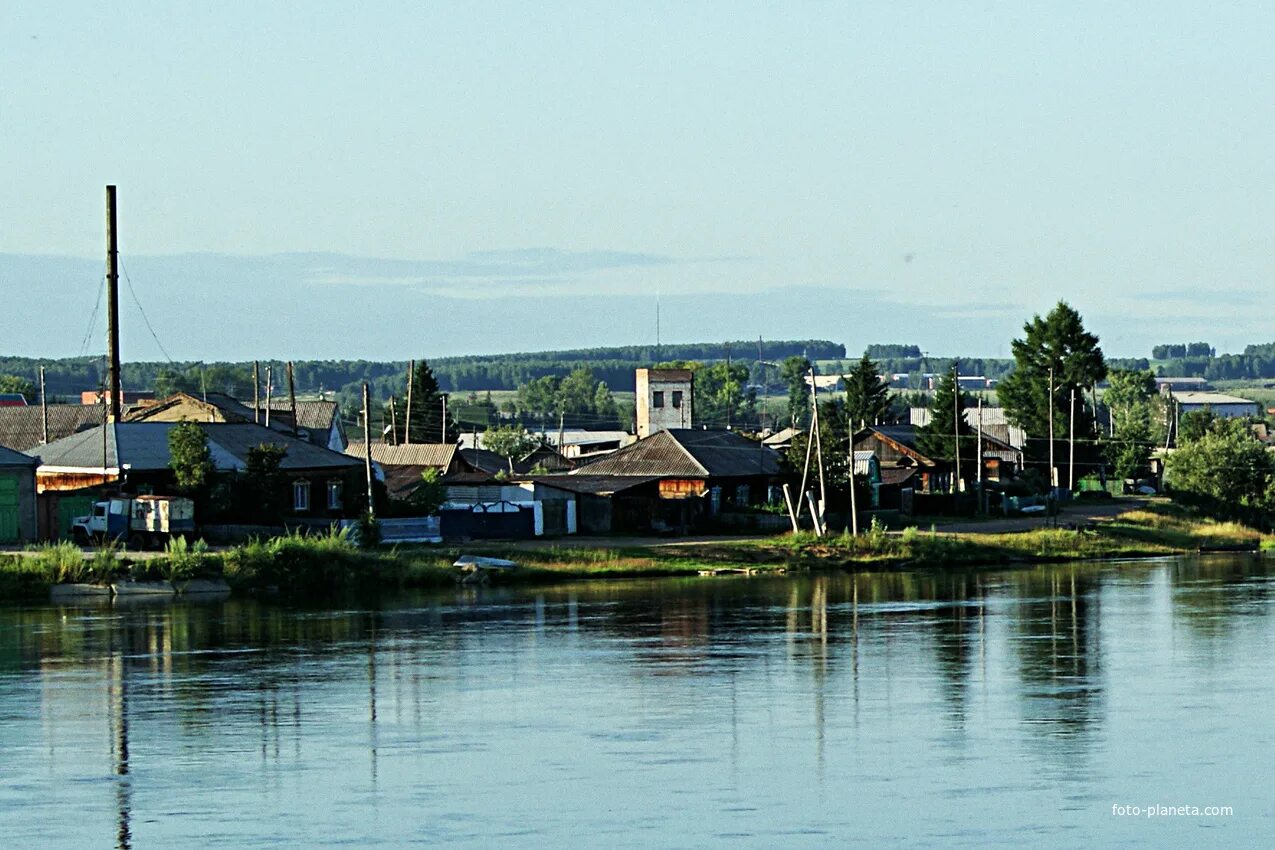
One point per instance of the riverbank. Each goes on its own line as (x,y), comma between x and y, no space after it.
(329,563)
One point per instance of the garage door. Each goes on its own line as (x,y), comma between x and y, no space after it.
(9,513)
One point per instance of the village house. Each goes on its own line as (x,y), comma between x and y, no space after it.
(321,485)
(17,497)
(317,422)
(903,466)
(402,467)
(675,479)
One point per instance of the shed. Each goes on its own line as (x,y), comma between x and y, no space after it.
(17,497)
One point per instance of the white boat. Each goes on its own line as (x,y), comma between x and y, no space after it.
(470,563)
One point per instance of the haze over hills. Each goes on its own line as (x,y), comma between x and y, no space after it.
(328,305)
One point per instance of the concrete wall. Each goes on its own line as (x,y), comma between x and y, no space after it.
(664,400)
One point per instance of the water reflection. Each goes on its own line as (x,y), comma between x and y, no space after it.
(828,682)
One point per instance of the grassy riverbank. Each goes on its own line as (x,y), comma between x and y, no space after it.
(328,563)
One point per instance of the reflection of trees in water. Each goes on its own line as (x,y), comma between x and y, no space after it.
(1213,596)
(1056,642)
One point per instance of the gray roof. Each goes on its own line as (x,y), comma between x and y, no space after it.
(143,446)
(593,485)
(687,453)
(21,428)
(437,455)
(9,457)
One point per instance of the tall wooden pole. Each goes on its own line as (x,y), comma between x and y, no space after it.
(823,489)
(854,504)
(956,426)
(393,423)
(1053,478)
(442,435)
(112,306)
(1071,448)
(407,426)
(292,400)
(269,393)
(256,392)
(44,411)
(367,450)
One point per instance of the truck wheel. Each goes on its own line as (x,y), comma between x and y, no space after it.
(81,537)
(137,542)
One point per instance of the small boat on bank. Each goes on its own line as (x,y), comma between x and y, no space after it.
(477,569)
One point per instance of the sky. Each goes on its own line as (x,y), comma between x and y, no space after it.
(404,179)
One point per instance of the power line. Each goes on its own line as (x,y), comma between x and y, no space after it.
(142,310)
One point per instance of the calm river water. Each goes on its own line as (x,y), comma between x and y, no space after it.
(1007,707)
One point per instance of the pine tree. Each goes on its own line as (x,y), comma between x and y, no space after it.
(427,410)
(867,394)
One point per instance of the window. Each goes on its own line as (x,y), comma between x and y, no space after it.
(301,496)
(657,399)
(334,495)
(677,398)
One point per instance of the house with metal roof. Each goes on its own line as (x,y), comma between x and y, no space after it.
(1222,405)
(17,497)
(673,480)
(134,457)
(317,422)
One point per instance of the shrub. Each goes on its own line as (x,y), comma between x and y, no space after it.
(60,563)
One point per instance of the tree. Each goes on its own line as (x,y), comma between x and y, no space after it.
(1195,424)
(189,457)
(1137,419)
(430,495)
(427,411)
(794,372)
(938,437)
(722,395)
(263,480)
(1227,471)
(510,441)
(1059,344)
(15,384)
(867,394)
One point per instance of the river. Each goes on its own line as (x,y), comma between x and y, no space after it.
(920,708)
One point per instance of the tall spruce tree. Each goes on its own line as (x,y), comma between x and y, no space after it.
(1058,342)
(867,394)
(427,410)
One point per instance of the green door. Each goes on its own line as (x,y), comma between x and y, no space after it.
(69,507)
(9,512)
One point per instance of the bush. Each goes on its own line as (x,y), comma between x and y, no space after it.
(184,561)
(60,563)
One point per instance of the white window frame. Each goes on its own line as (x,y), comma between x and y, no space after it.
(300,495)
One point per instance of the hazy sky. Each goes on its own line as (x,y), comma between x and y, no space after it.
(916,172)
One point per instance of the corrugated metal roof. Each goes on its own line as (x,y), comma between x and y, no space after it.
(593,485)
(21,427)
(1210,398)
(686,453)
(437,455)
(143,446)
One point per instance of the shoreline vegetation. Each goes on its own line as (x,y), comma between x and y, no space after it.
(326,564)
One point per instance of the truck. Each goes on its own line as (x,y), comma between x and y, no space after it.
(140,521)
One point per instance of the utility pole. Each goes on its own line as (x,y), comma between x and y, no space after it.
(442,435)
(979,449)
(1071,448)
(407,426)
(823,489)
(256,392)
(393,423)
(112,306)
(956,425)
(292,400)
(44,412)
(854,505)
(367,451)
(269,392)
(1053,478)
(561,429)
